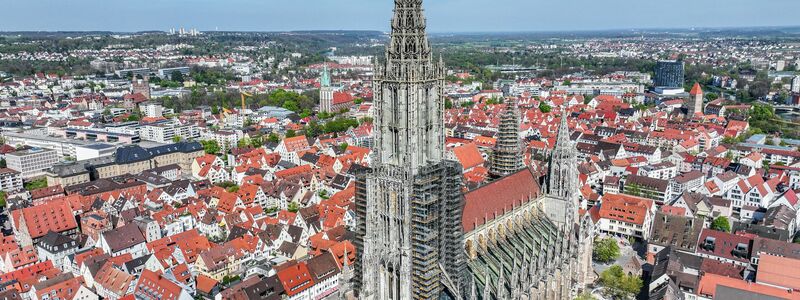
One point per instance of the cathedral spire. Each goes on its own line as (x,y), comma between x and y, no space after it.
(410,203)
(408,39)
(409,94)
(506,157)
(562,140)
(562,181)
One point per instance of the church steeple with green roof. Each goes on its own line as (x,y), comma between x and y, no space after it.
(325,80)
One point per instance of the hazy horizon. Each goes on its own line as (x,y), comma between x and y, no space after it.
(444,16)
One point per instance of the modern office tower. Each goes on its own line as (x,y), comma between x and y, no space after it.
(669,74)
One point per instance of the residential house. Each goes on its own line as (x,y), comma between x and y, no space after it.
(625,215)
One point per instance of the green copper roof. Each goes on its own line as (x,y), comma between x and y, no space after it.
(325,81)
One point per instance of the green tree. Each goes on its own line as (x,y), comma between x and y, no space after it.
(729,140)
(618,285)
(605,250)
(177,76)
(290,133)
(257,141)
(291,105)
(721,223)
(273,138)
(340,125)
(210,146)
(448,104)
(271,210)
(293,207)
(544,108)
(176,139)
(587,99)
(243,143)
(585,296)
(3,199)
(313,129)
(343,146)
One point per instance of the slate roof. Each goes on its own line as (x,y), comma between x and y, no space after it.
(56,240)
(124,237)
(269,288)
(132,154)
(677,231)
(643,181)
(323,266)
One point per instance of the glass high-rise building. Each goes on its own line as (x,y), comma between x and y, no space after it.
(669,74)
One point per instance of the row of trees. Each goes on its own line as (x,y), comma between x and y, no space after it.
(302,104)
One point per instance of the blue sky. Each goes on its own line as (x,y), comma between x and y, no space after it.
(443,15)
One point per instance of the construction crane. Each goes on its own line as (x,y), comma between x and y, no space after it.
(244,94)
(244,106)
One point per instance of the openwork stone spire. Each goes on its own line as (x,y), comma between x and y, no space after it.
(563,178)
(409,97)
(408,32)
(409,205)
(506,158)
(562,181)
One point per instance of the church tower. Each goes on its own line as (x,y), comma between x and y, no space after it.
(506,157)
(560,204)
(695,103)
(409,204)
(325,91)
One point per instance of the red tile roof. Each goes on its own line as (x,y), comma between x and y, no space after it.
(707,287)
(295,279)
(53,216)
(468,155)
(625,208)
(494,199)
(673,210)
(297,143)
(778,271)
(205,284)
(342,97)
(723,244)
(696,90)
(29,272)
(64,287)
(152,286)
(304,169)
(113,280)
